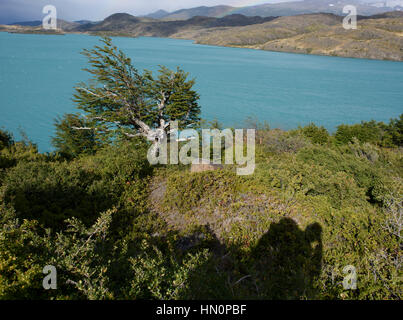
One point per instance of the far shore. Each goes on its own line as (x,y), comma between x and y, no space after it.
(15,29)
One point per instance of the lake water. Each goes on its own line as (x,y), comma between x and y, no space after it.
(38,73)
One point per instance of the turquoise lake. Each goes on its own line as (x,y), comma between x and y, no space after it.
(38,74)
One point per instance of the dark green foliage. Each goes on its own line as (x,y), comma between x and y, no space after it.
(121,100)
(394,135)
(20,152)
(71,142)
(377,133)
(364,132)
(367,175)
(163,275)
(181,101)
(318,135)
(285,232)
(22,253)
(288,260)
(6,139)
(53,192)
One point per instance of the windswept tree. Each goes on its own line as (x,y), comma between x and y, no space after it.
(119,100)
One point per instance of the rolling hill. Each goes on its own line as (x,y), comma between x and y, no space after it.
(275,9)
(157,14)
(185,14)
(377,37)
(127,25)
(61,24)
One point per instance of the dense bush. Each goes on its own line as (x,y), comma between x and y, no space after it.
(316,134)
(394,131)
(364,132)
(117,229)
(52,192)
(379,133)
(5,139)
(278,141)
(71,142)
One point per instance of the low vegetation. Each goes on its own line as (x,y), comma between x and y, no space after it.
(116,227)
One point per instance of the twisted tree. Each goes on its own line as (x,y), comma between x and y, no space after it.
(118,99)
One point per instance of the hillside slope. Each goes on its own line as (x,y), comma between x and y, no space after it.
(323,34)
(125,24)
(184,14)
(36,27)
(157,14)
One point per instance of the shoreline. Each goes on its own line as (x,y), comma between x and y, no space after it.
(195,41)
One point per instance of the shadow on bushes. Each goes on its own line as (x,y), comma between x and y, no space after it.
(284,264)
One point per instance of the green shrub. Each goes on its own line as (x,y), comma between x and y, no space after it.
(364,132)
(365,173)
(164,276)
(6,139)
(318,135)
(285,232)
(378,133)
(200,186)
(278,141)
(70,141)
(23,254)
(53,192)
(394,133)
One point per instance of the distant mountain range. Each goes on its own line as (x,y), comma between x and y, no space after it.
(379,36)
(158,14)
(282,9)
(313,6)
(128,25)
(268,10)
(184,14)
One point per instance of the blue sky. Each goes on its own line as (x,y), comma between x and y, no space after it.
(26,10)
